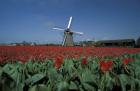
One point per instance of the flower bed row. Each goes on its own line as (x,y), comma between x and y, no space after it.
(24,53)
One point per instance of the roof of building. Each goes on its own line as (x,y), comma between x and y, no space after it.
(119,40)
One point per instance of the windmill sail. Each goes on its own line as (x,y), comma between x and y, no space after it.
(80,33)
(69,24)
(55,28)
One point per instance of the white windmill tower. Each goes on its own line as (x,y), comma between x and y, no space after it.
(68,34)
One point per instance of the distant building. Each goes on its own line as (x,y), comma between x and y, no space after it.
(116,43)
(138,42)
(85,43)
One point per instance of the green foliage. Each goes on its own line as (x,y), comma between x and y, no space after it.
(71,76)
(39,87)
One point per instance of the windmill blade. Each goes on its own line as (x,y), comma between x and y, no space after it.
(55,28)
(80,33)
(69,24)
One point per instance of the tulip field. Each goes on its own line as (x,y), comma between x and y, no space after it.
(41,53)
(56,68)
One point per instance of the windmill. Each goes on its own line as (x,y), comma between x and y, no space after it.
(68,34)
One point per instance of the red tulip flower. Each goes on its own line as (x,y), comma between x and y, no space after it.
(23,59)
(1,59)
(105,66)
(127,61)
(84,61)
(58,62)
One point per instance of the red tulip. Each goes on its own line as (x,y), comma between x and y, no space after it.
(1,59)
(84,61)
(58,62)
(127,61)
(23,59)
(105,66)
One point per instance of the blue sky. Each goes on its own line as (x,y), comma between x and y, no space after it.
(32,20)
